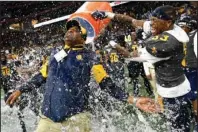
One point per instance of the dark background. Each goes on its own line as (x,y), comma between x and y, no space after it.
(23,12)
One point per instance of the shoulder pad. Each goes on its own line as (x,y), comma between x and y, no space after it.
(162,45)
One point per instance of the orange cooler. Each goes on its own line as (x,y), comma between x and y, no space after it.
(83,16)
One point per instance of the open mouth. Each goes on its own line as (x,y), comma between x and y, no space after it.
(153,27)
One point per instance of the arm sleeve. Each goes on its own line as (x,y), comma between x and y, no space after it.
(145,56)
(107,84)
(115,91)
(36,81)
(104,81)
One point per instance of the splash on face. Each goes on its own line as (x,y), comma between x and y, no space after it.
(73,35)
(158,25)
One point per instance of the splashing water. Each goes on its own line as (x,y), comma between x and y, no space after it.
(108,115)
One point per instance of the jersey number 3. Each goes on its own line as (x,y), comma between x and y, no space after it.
(162,38)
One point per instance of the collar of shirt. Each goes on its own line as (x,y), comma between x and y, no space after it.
(75,47)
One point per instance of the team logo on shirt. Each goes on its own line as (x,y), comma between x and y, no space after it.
(154,50)
(79,57)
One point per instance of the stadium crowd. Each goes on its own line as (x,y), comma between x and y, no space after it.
(161,48)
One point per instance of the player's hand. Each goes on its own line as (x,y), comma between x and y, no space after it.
(147,105)
(99,15)
(13,97)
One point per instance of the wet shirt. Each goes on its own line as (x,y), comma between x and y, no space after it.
(165,51)
(67,83)
(115,66)
(9,77)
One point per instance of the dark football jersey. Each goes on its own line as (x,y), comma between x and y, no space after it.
(169,73)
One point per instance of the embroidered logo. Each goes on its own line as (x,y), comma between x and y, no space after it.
(154,50)
(79,57)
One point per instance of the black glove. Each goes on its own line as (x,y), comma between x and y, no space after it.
(98,15)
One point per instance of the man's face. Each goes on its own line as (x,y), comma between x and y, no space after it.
(158,25)
(73,36)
